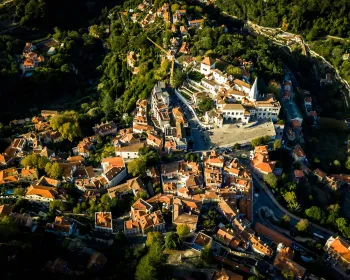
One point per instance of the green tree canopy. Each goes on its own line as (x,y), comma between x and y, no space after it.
(175,7)
(67,124)
(314,213)
(271,180)
(154,237)
(302,225)
(235,71)
(54,170)
(173,241)
(277,144)
(35,160)
(147,157)
(206,104)
(291,199)
(182,230)
(207,255)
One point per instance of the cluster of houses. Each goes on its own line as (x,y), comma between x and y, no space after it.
(31,58)
(145,15)
(43,134)
(235,99)
(171,122)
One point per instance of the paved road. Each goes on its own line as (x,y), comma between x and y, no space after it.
(266,199)
(197,136)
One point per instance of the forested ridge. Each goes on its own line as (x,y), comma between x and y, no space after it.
(310,17)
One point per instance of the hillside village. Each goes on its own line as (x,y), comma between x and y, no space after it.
(229,204)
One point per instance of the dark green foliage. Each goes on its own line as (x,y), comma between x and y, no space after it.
(173,241)
(206,104)
(195,76)
(192,157)
(316,18)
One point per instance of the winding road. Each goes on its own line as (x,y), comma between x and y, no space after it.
(267,199)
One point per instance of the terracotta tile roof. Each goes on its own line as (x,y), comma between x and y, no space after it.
(208,61)
(169,187)
(230,107)
(261,149)
(298,151)
(202,239)
(161,198)
(61,224)
(128,138)
(104,127)
(225,274)
(46,192)
(112,172)
(140,204)
(271,234)
(103,219)
(154,139)
(241,83)
(260,246)
(130,224)
(195,21)
(298,174)
(152,219)
(341,247)
(283,261)
(132,147)
(75,159)
(318,172)
(114,161)
(29,171)
(46,181)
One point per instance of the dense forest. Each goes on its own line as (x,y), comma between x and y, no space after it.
(311,17)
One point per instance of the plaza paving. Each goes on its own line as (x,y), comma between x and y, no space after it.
(230,134)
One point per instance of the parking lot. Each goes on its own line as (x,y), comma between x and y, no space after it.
(230,134)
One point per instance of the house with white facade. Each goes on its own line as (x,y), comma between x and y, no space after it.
(129,150)
(41,193)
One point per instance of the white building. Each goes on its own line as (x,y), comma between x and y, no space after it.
(206,65)
(160,104)
(41,193)
(129,151)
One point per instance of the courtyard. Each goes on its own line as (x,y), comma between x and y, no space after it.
(230,134)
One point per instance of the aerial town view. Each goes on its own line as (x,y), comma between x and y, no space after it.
(175,140)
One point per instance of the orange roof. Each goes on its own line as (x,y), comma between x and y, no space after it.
(261,149)
(75,159)
(28,171)
(114,161)
(208,61)
(242,83)
(46,181)
(342,248)
(298,174)
(202,239)
(320,173)
(140,204)
(130,224)
(259,246)
(225,274)
(284,261)
(103,219)
(42,191)
(152,219)
(275,236)
(298,151)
